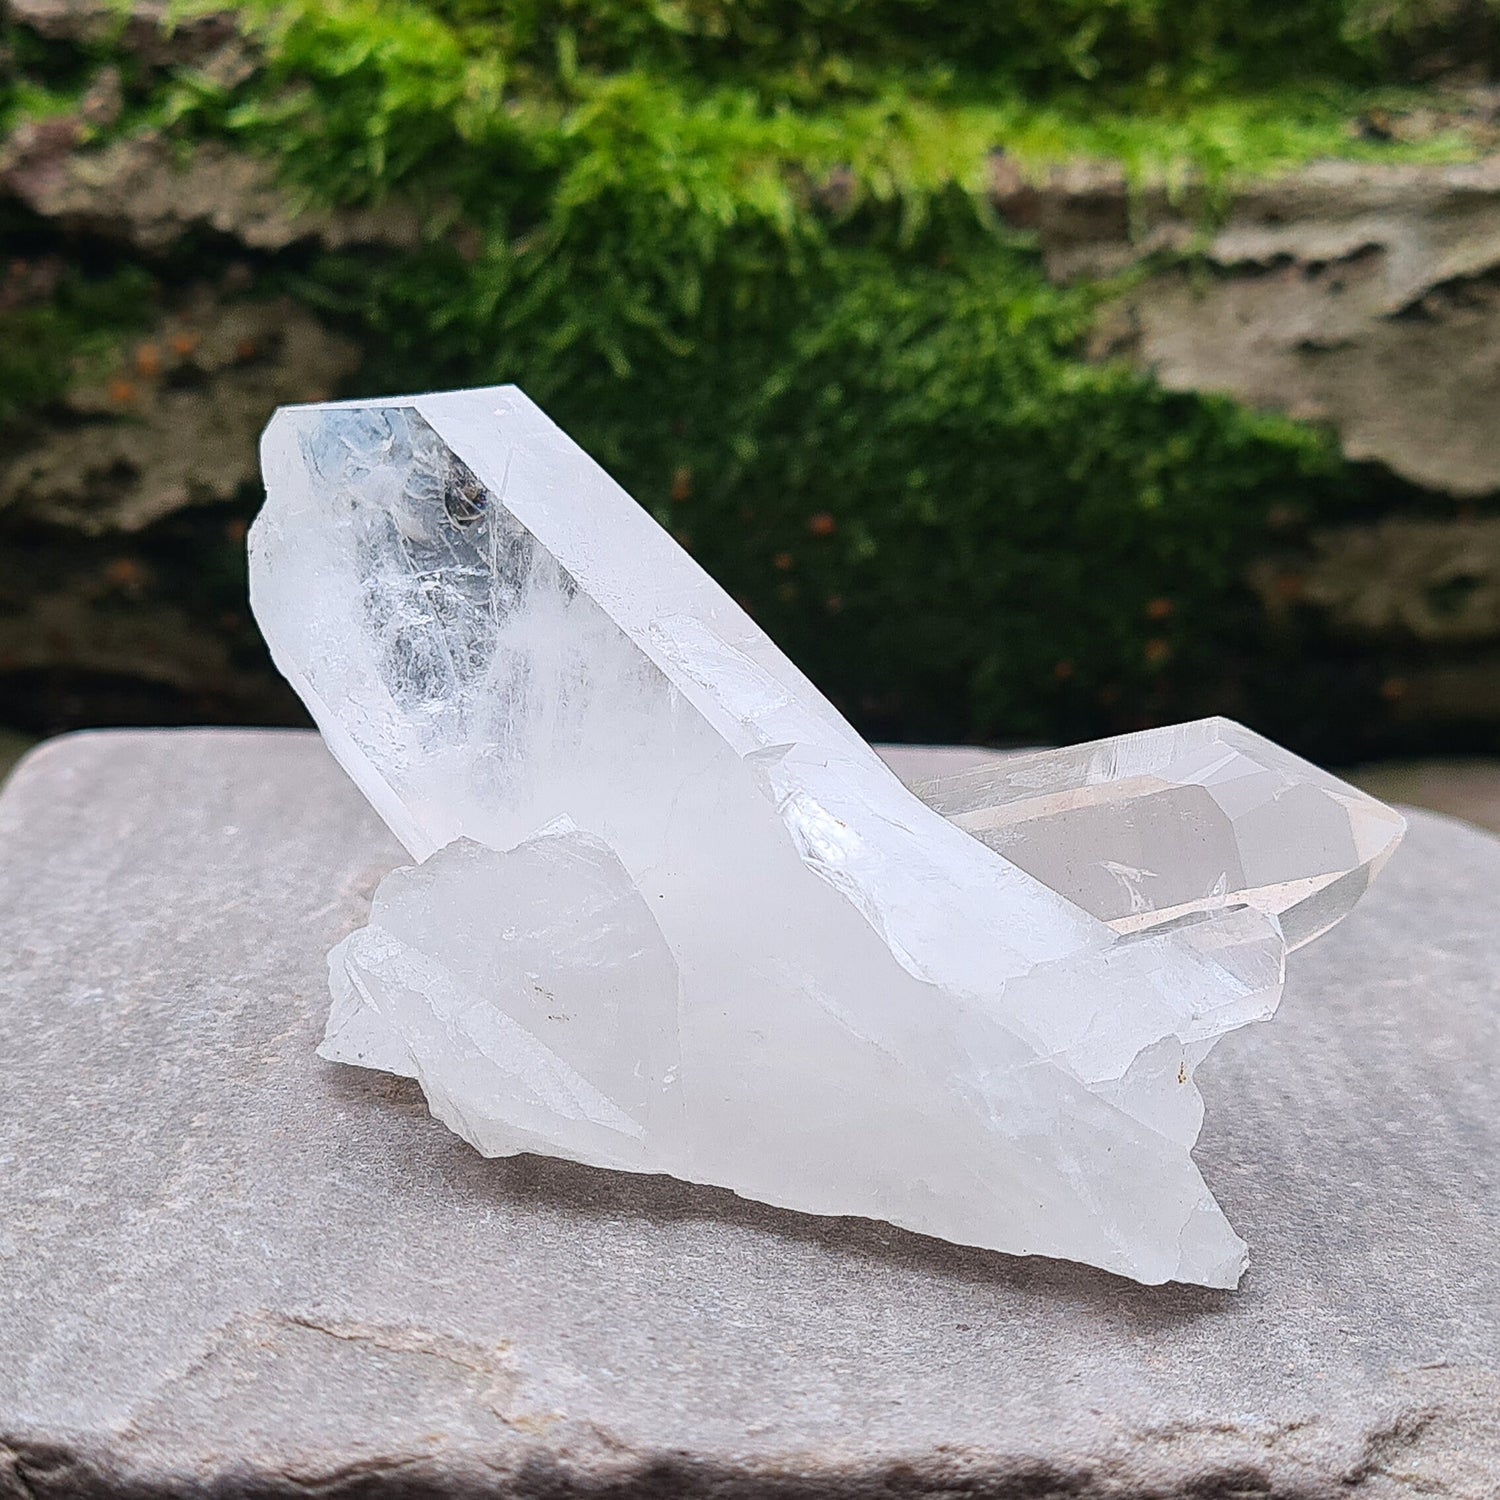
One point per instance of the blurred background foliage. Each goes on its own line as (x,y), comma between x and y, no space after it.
(748,253)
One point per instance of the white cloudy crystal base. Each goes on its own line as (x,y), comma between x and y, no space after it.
(674,915)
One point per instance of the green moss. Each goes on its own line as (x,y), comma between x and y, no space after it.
(58,323)
(807,46)
(364,97)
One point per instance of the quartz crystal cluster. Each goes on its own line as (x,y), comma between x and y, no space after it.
(671,914)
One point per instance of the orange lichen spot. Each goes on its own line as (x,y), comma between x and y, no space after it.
(1159,609)
(783,562)
(1157,651)
(1063,671)
(822,524)
(235,530)
(1394,689)
(682,484)
(122,392)
(126,573)
(185,344)
(833,604)
(148,361)
(246,350)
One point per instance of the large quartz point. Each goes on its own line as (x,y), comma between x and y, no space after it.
(671,914)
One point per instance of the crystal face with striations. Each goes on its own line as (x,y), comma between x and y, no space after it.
(671,914)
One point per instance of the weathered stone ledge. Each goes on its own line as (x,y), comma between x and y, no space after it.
(230,1268)
(1363,296)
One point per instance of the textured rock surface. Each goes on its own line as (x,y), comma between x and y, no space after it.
(222,1260)
(141,191)
(170,423)
(1364,296)
(123,497)
(1421,580)
(1421,593)
(153,29)
(117,519)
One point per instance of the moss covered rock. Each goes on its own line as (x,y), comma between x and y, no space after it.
(782,264)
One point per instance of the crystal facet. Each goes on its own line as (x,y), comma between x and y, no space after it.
(672,914)
(1149,826)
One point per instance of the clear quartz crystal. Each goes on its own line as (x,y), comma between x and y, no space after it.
(672,914)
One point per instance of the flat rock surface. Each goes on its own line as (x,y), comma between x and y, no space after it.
(1467,789)
(225,1263)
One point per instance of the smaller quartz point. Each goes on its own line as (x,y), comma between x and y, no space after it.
(1148,826)
(671,914)
(554,1029)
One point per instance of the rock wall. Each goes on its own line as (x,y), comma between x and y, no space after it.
(1362,297)
(123,503)
(1366,298)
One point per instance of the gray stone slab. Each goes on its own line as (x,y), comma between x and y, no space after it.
(1467,789)
(225,1264)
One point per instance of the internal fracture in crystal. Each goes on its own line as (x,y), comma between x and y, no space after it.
(671,914)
